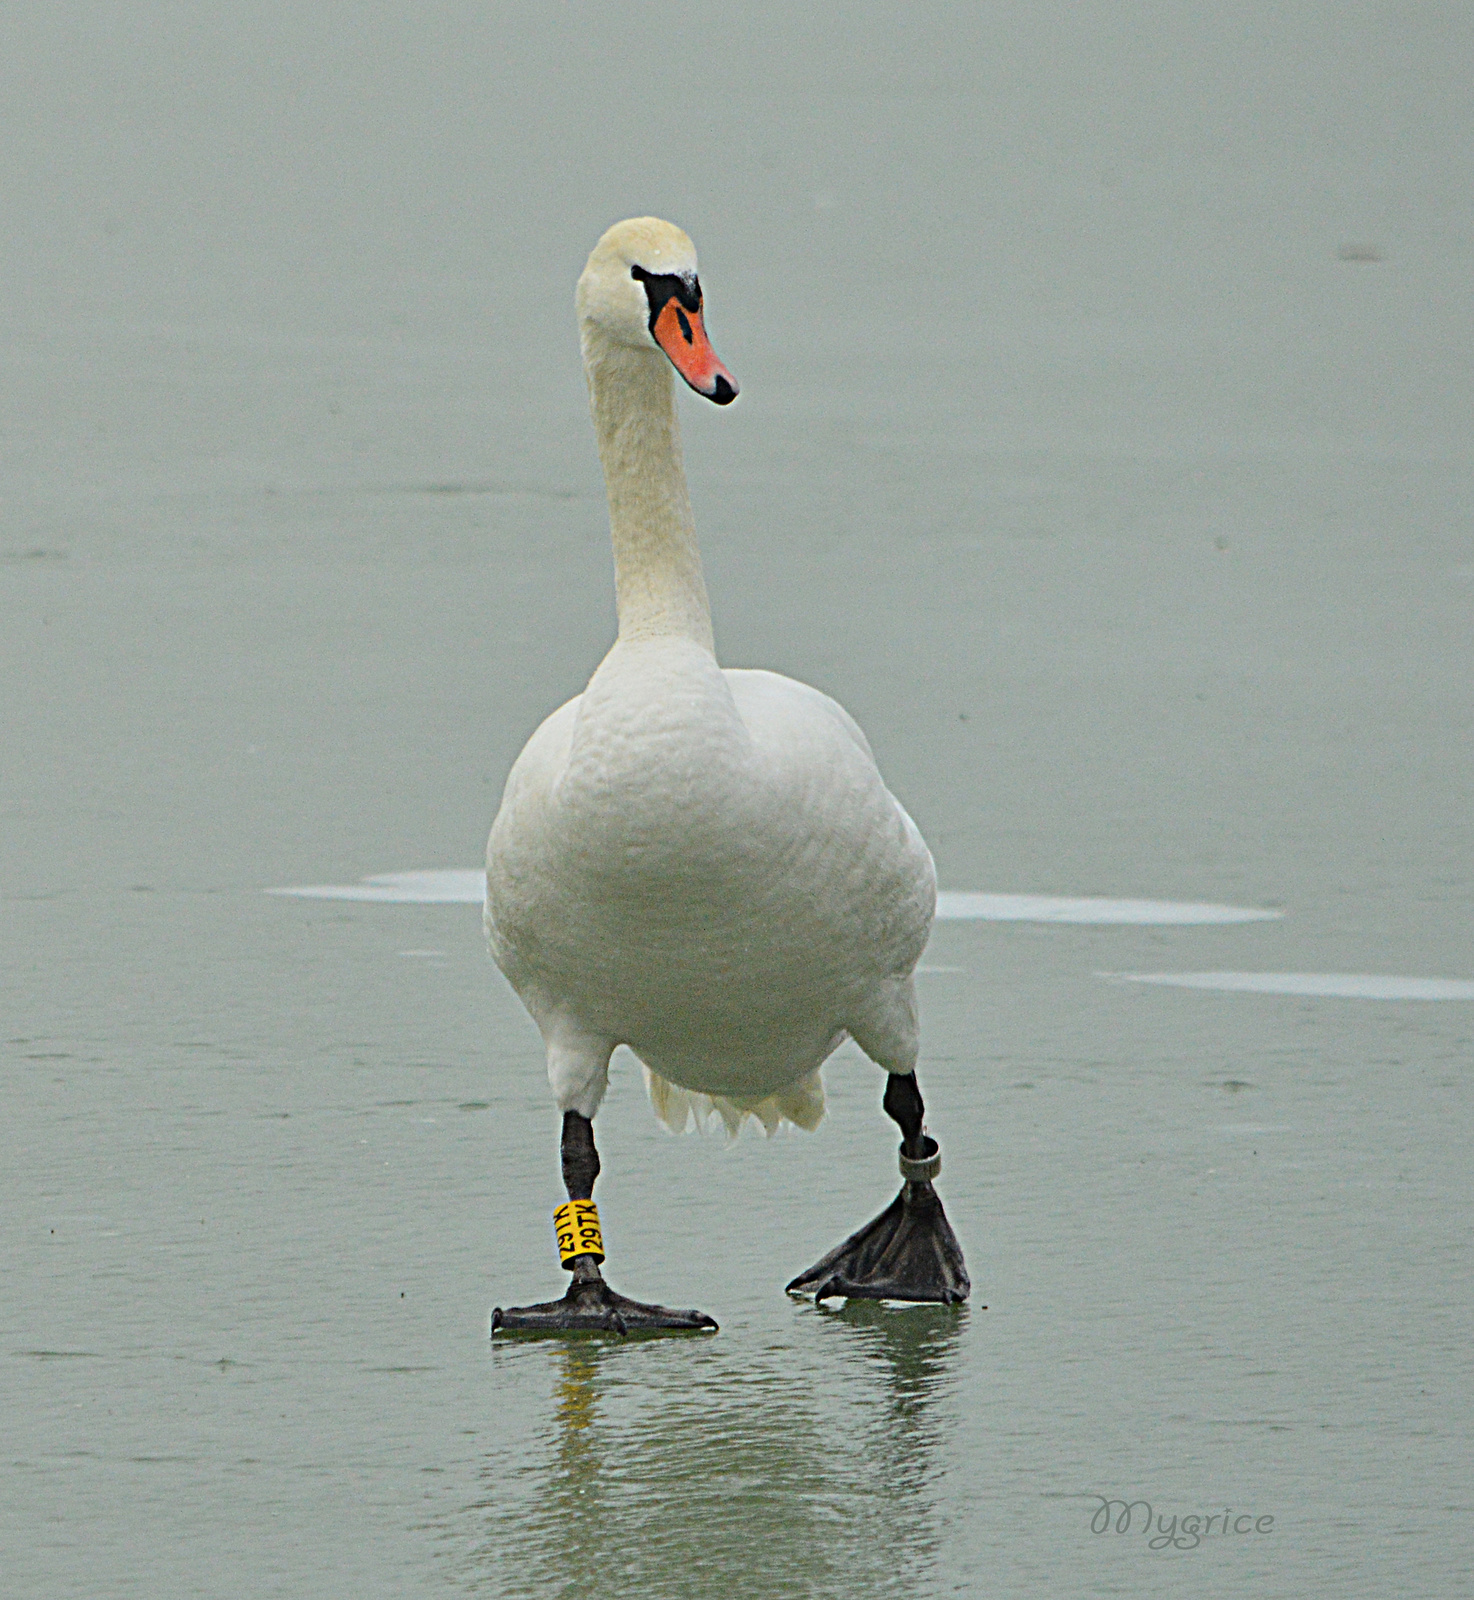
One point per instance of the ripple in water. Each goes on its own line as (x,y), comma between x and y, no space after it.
(672,1468)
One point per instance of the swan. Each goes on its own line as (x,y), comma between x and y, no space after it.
(703,863)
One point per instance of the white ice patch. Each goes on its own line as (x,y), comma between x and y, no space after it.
(1332,985)
(956,905)
(441,887)
(457,885)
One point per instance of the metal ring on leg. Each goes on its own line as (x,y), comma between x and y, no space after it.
(922,1169)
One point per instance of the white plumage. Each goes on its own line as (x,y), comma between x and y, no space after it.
(701,863)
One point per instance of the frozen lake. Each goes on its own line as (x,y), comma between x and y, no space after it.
(1103,446)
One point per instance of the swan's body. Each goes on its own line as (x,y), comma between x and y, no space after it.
(703,864)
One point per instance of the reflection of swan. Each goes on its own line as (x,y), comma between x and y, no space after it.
(914,1351)
(703,864)
(670,1471)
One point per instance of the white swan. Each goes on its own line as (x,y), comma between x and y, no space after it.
(703,863)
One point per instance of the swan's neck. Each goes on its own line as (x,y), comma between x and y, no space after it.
(657,568)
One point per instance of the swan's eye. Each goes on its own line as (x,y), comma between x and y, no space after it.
(663,287)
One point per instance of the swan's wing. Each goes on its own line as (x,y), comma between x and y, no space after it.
(834,780)
(521,821)
(867,867)
(770,694)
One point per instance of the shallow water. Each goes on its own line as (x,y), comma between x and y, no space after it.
(1103,446)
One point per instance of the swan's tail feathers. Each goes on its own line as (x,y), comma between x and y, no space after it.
(801,1103)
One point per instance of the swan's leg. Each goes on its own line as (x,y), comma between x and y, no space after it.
(909,1251)
(591,1306)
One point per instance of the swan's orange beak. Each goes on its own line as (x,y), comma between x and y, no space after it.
(680,334)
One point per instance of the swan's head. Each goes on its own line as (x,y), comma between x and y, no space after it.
(640,290)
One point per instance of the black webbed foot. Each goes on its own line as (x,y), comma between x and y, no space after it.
(908,1252)
(591,1306)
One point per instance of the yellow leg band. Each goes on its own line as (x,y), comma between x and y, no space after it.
(576,1226)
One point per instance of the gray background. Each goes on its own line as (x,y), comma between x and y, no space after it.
(1103,447)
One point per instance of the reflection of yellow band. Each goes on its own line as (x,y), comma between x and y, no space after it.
(576,1225)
